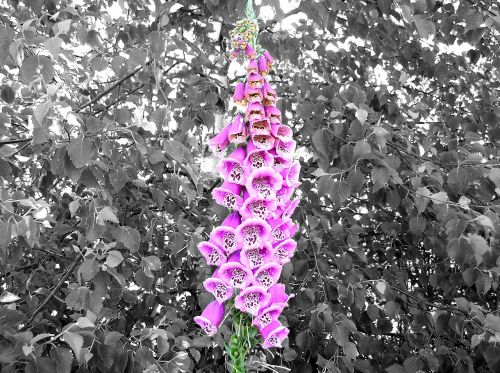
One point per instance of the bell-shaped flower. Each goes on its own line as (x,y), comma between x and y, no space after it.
(224,236)
(229,195)
(279,295)
(260,127)
(270,96)
(263,183)
(284,250)
(212,253)
(250,52)
(267,275)
(269,59)
(234,53)
(256,257)
(257,158)
(264,142)
(274,114)
(252,233)
(255,111)
(280,163)
(237,132)
(282,132)
(219,289)
(235,274)
(282,229)
(291,175)
(211,317)
(231,168)
(239,94)
(282,197)
(290,208)
(256,207)
(219,142)
(267,315)
(255,80)
(274,334)
(285,149)
(253,94)
(251,299)
(263,66)
(252,67)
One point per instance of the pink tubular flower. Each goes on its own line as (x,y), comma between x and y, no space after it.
(280,163)
(267,315)
(264,182)
(256,207)
(264,142)
(274,334)
(252,67)
(225,235)
(255,257)
(269,59)
(253,94)
(283,196)
(274,114)
(263,66)
(267,275)
(269,94)
(290,208)
(291,175)
(236,275)
(255,80)
(249,51)
(228,194)
(282,229)
(231,168)
(239,94)
(219,289)
(285,149)
(237,131)
(211,317)
(255,111)
(260,127)
(257,158)
(252,233)
(251,299)
(212,253)
(279,295)
(219,142)
(282,132)
(284,250)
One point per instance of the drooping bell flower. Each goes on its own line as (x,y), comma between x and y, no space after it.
(250,51)
(211,317)
(263,183)
(252,67)
(255,111)
(274,334)
(256,257)
(279,295)
(290,208)
(291,175)
(267,315)
(253,94)
(252,233)
(255,80)
(238,130)
(274,114)
(219,142)
(236,275)
(264,142)
(239,94)
(212,253)
(285,149)
(270,96)
(280,163)
(256,207)
(260,127)
(231,168)
(225,235)
(267,275)
(219,289)
(282,132)
(263,66)
(282,197)
(234,53)
(228,195)
(251,299)
(257,158)
(269,59)
(282,229)
(284,250)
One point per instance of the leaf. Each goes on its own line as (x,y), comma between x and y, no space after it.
(130,237)
(356,180)
(479,245)
(425,27)
(53,45)
(34,67)
(350,350)
(8,297)
(362,147)
(83,323)
(106,214)
(381,286)
(73,207)
(88,269)
(319,140)
(62,27)
(7,94)
(75,341)
(395,368)
(361,115)
(340,192)
(380,177)
(41,111)
(422,199)
(63,359)
(439,198)
(80,151)
(152,262)
(114,258)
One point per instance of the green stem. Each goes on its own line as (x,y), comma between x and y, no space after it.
(249,11)
(242,341)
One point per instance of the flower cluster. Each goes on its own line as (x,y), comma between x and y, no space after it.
(243,37)
(255,240)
